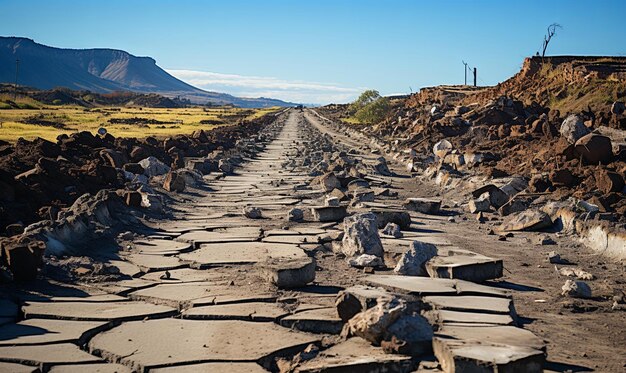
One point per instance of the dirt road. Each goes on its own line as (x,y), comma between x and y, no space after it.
(214,290)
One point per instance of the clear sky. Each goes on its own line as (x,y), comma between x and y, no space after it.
(327,50)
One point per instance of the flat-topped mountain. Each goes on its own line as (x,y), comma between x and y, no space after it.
(102,71)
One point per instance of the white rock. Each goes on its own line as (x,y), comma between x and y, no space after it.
(153,167)
(573,128)
(480,204)
(412,262)
(361,235)
(366,260)
(576,289)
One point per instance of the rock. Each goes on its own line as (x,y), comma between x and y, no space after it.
(609,181)
(573,128)
(288,273)
(366,260)
(423,205)
(528,220)
(410,335)
(381,167)
(576,289)
(14,229)
(545,240)
(513,206)
(153,167)
(595,149)
(361,235)
(442,148)
(479,204)
(358,298)
(295,214)
(576,272)
(174,182)
(555,258)
(331,202)
(252,212)
(133,198)
(538,184)
(372,324)
(392,229)
(329,181)
(618,108)
(399,217)
(225,166)
(23,258)
(134,168)
(327,214)
(412,262)
(562,177)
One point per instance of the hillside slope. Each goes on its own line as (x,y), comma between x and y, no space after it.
(102,71)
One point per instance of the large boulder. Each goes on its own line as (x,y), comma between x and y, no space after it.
(528,220)
(412,262)
(595,148)
(361,235)
(573,128)
(329,182)
(153,167)
(442,148)
(373,323)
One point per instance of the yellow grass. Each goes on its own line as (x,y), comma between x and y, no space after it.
(185,120)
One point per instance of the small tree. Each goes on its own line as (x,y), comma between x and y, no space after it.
(546,39)
(365,98)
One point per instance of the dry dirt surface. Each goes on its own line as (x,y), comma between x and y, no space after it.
(233,279)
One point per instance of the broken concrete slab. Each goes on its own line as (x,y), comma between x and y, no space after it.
(92,368)
(328,213)
(528,220)
(457,317)
(421,286)
(470,268)
(318,320)
(211,255)
(472,303)
(213,367)
(185,275)
(47,355)
(423,205)
(17,368)
(461,356)
(160,247)
(240,234)
(198,294)
(43,331)
(249,311)
(90,311)
(148,344)
(288,273)
(151,263)
(356,355)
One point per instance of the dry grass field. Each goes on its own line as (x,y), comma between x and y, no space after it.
(50,121)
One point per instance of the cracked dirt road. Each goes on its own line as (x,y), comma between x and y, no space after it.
(201,293)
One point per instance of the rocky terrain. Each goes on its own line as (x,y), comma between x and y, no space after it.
(298,244)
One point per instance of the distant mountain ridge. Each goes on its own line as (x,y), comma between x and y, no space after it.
(103,71)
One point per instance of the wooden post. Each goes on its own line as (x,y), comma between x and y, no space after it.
(474,77)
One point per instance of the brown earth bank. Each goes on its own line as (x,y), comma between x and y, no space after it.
(559,123)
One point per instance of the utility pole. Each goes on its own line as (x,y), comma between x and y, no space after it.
(17,64)
(474,77)
(465,71)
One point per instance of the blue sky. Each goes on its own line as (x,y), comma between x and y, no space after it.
(323,51)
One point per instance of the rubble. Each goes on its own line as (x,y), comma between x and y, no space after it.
(576,289)
(412,262)
(361,235)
